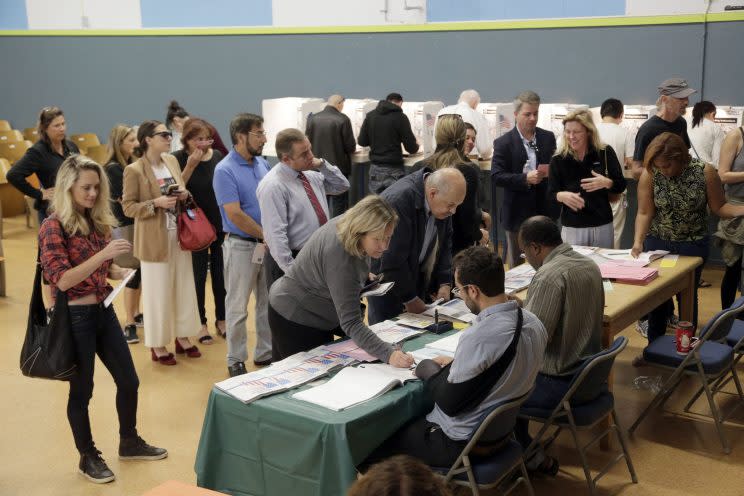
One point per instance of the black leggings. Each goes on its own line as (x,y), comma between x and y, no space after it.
(96,331)
(730,284)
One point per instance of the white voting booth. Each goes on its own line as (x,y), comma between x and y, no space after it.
(500,118)
(356,109)
(423,118)
(551,116)
(634,117)
(282,113)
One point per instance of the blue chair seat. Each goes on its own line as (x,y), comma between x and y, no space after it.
(736,333)
(490,469)
(584,413)
(716,357)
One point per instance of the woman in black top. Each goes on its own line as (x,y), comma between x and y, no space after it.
(198,160)
(43,159)
(121,145)
(450,136)
(583,173)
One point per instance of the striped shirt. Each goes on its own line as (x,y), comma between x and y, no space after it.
(567,296)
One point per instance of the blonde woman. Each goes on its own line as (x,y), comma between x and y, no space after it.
(319,294)
(583,173)
(152,186)
(76,253)
(121,144)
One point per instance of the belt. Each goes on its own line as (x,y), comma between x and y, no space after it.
(245,238)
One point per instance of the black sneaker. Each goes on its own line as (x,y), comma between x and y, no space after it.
(130,334)
(94,468)
(135,448)
(139,320)
(238,368)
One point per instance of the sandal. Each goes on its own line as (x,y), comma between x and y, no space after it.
(221,332)
(204,337)
(704,284)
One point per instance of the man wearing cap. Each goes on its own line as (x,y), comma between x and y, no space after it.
(672,103)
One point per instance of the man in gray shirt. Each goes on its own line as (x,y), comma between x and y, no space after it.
(567,296)
(495,361)
(292,197)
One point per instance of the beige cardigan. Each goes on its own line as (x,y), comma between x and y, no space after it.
(140,190)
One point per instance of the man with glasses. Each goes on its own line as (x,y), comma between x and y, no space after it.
(419,258)
(567,296)
(332,139)
(292,198)
(236,179)
(520,166)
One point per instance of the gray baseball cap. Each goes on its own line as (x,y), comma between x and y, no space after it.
(675,87)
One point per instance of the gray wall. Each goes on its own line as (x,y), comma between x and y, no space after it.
(99,81)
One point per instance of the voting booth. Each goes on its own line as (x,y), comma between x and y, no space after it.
(423,118)
(283,113)
(551,116)
(727,117)
(356,109)
(634,117)
(499,116)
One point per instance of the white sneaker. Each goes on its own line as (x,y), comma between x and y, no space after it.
(642,328)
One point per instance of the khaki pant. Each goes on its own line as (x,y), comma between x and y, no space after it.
(169,297)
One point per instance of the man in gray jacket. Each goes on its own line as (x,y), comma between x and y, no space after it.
(332,139)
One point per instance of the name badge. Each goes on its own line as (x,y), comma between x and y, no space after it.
(258,253)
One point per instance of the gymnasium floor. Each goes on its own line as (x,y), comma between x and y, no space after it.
(672,455)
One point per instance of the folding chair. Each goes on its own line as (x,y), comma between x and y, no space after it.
(85,141)
(581,408)
(484,472)
(31,134)
(5,125)
(11,136)
(13,150)
(710,361)
(98,153)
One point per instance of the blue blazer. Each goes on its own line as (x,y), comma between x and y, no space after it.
(521,200)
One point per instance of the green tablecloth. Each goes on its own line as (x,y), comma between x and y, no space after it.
(282,446)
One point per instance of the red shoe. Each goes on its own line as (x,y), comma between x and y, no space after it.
(192,352)
(168,359)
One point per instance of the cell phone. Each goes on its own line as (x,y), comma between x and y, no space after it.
(173,190)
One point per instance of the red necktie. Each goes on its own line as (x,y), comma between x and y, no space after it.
(322,219)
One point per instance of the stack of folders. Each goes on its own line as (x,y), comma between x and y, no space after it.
(355,385)
(628,274)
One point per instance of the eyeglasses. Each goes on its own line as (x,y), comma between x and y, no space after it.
(456,291)
(532,144)
(260,134)
(164,134)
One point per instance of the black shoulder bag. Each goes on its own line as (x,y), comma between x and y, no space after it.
(48,351)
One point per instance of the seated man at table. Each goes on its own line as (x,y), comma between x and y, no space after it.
(497,359)
(567,296)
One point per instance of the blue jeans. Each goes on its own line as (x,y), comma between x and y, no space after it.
(657,319)
(96,331)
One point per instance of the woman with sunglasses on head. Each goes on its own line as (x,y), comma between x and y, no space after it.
(197,160)
(121,145)
(43,159)
(152,187)
(76,254)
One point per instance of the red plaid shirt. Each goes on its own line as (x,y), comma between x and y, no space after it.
(60,253)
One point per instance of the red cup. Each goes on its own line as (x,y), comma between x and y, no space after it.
(684,337)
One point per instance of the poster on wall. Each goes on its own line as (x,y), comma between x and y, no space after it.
(356,110)
(423,118)
(283,113)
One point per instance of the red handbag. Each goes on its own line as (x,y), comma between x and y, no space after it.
(195,232)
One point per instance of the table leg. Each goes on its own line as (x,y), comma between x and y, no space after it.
(605,442)
(687,299)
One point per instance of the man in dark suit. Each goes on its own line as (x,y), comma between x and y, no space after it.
(332,139)
(419,258)
(520,166)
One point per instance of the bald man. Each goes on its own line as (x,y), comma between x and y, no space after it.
(332,139)
(419,258)
(466,107)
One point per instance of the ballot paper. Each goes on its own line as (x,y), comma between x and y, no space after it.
(455,309)
(355,385)
(416,320)
(624,257)
(350,348)
(447,343)
(118,288)
(518,278)
(392,332)
(429,353)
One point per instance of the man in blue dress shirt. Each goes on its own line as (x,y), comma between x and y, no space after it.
(235,182)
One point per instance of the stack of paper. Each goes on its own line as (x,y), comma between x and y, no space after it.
(447,344)
(628,274)
(416,320)
(286,374)
(392,332)
(518,278)
(623,257)
(350,348)
(354,385)
(455,309)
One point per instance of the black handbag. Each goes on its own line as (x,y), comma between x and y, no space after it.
(48,351)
